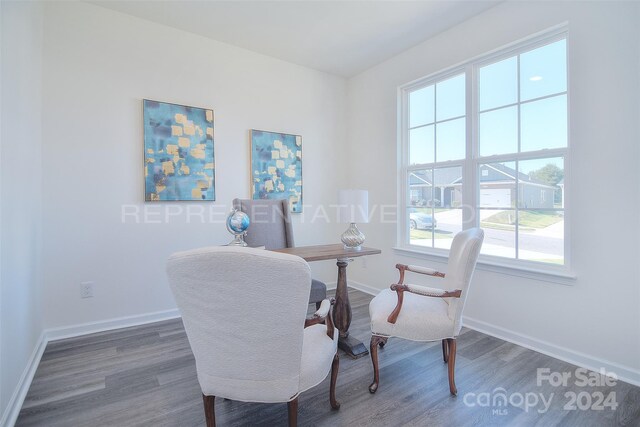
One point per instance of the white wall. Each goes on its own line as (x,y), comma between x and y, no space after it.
(598,318)
(98,66)
(20,190)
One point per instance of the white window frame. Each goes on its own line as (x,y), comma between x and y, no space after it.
(470,165)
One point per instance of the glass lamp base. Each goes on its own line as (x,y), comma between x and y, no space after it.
(352,237)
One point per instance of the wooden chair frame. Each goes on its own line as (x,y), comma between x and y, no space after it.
(322,315)
(448,344)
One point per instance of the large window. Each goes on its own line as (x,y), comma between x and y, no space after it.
(437,149)
(485,145)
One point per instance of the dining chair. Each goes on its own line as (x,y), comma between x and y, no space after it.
(271,227)
(244,313)
(421,313)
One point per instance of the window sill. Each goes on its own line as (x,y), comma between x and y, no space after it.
(484,264)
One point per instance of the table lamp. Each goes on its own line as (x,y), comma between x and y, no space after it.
(353,206)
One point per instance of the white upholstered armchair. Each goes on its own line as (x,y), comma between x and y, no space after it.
(421,313)
(244,314)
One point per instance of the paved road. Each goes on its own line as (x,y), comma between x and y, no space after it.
(543,243)
(527,241)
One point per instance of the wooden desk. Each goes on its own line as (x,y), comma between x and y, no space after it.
(342,307)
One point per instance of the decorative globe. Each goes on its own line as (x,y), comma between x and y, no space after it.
(237,224)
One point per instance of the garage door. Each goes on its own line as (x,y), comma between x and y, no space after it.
(495,197)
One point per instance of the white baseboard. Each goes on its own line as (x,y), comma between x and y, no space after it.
(12,410)
(355,285)
(55,334)
(364,288)
(624,373)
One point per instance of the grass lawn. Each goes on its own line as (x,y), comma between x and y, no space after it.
(528,219)
(426,234)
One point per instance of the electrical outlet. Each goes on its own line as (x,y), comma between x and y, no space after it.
(86,290)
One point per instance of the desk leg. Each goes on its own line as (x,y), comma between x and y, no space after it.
(342,315)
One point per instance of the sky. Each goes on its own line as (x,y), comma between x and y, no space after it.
(437,112)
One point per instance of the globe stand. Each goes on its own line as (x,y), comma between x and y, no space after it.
(238,240)
(237,224)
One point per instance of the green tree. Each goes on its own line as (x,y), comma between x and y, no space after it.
(549,174)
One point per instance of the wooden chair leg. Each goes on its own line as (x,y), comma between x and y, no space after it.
(209,410)
(373,349)
(445,350)
(292,407)
(334,377)
(452,365)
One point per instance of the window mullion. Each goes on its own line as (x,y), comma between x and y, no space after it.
(469,185)
(517,227)
(517,211)
(435,160)
(527,155)
(445,164)
(402,226)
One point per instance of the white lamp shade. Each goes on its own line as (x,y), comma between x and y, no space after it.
(353,206)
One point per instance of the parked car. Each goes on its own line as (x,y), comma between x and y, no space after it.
(422,221)
(425,203)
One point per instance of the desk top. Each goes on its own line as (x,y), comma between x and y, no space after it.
(322,252)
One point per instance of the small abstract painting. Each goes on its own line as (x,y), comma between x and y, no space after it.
(178,153)
(276,167)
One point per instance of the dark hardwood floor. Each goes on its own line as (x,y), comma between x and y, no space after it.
(145,376)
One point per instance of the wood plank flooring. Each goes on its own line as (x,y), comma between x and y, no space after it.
(145,376)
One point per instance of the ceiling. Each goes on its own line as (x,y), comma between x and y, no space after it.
(339,37)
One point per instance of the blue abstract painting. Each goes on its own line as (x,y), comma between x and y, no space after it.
(178,152)
(276,167)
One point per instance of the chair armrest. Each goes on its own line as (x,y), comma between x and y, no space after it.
(323,311)
(417,269)
(418,290)
(323,314)
(430,292)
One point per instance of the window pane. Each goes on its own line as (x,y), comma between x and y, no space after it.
(497,185)
(421,226)
(544,124)
(543,71)
(447,194)
(450,140)
(448,224)
(541,236)
(499,84)
(541,183)
(448,187)
(499,232)
(421,145)
(421,188)
(498,131)
(421,106)
(450,98)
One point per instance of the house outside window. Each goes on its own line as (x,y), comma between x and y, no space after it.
(485,144)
